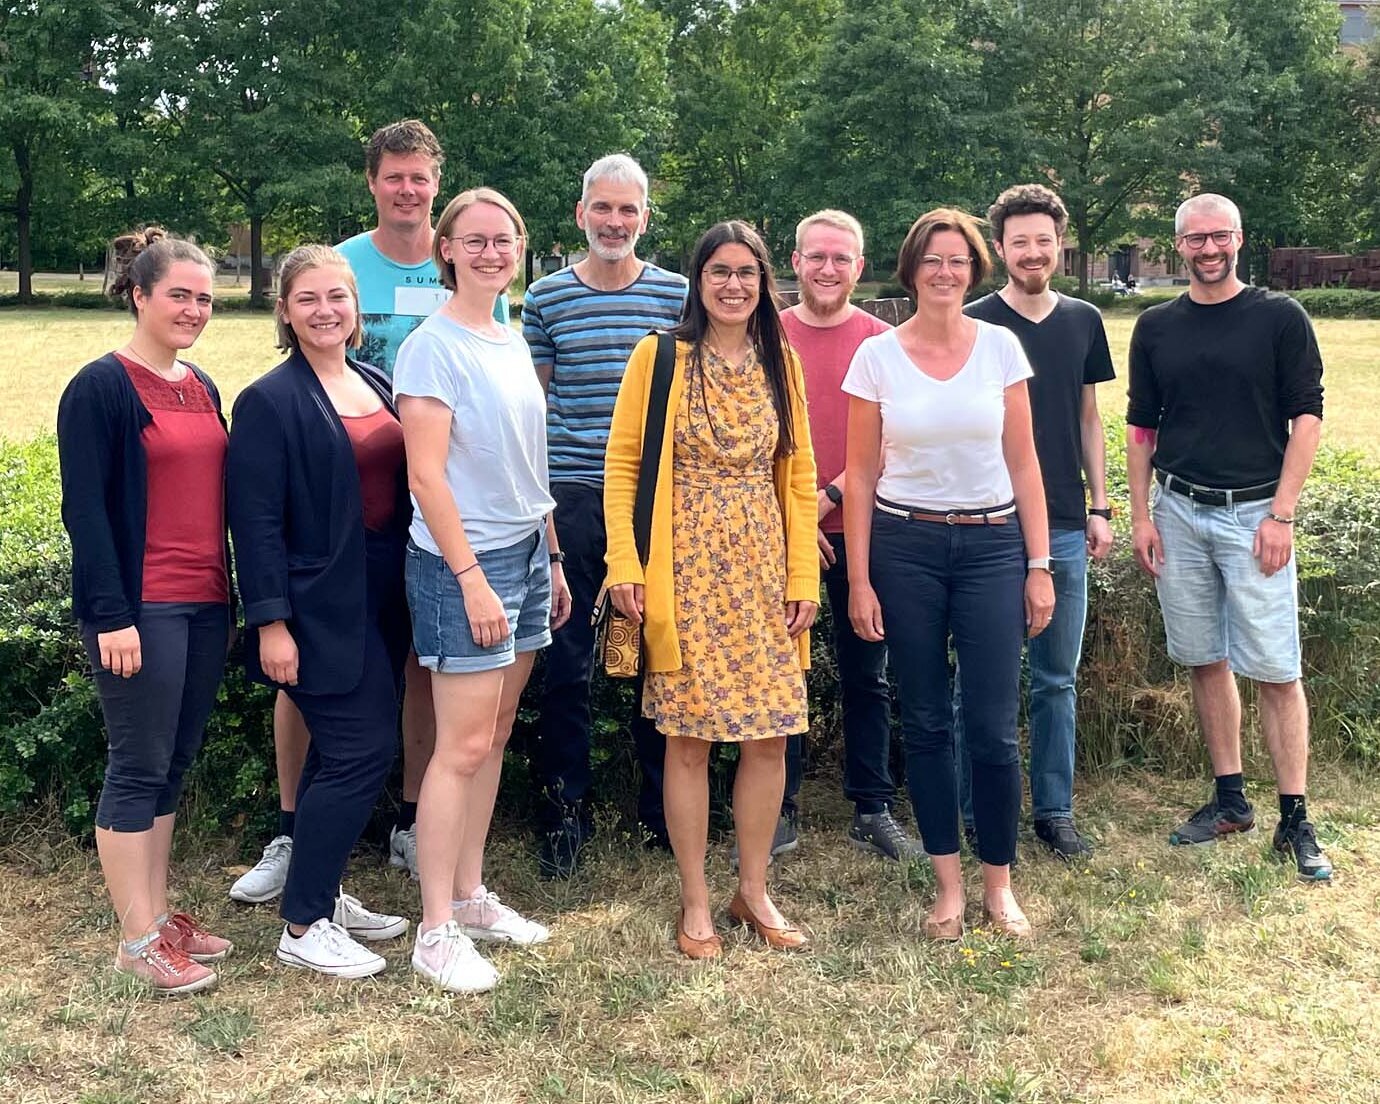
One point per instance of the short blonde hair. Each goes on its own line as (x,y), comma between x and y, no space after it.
(303,259)
(1202,203)
(454,208)
(918,240)
(839,220)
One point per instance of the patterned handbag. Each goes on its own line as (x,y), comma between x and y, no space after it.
(617,641)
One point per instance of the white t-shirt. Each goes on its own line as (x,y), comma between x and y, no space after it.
(941,439)
(496,464)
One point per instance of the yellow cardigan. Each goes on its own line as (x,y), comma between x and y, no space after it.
(795,491)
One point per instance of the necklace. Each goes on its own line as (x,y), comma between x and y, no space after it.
(176,385)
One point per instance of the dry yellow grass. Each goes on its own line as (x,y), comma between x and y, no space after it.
(1157,975)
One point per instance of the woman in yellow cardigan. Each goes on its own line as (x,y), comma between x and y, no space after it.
(731,584)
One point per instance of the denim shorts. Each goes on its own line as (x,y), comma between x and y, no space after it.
(441,636)
(1217,603)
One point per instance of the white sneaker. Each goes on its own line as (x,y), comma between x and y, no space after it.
(363,924)
(402,849)
(446,956)
(265,880)
(484,916)
(328,949)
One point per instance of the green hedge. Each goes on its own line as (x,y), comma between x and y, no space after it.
(95,300)
(1134,706)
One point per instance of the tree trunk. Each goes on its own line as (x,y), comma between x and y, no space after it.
(23,211)
(1080,229)
(257,290)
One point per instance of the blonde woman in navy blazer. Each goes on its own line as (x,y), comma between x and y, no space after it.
(319,510)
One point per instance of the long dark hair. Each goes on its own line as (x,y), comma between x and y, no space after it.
(764,327)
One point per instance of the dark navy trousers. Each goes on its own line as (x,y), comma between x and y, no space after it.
(964,583)
(354,738)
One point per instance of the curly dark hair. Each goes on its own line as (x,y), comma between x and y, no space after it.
(1027,199)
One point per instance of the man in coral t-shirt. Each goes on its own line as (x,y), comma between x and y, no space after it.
(825,330)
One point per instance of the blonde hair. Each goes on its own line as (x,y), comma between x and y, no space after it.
(303,259)
(839,220)
(454,209)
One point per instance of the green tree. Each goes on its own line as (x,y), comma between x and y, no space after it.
(50,58)
(1116,101)
(259,99)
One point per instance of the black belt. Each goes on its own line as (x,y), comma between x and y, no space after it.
(993,515)
(1214,496)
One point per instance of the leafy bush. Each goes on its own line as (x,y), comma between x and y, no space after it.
(1134,705)
(1339,302)
(95,300)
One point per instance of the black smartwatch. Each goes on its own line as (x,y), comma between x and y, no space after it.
(1102,512)
(833,494)
(558,557)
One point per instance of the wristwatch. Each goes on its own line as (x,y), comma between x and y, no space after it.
(1101,511)
(558,557)
(833,494)
(1040,563)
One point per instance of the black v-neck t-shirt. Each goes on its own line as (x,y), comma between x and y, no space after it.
(1068,350)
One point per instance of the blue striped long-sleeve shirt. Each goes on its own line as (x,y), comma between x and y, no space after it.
(583,336)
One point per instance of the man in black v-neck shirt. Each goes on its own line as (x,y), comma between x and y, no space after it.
(1226,409)
(1066,345)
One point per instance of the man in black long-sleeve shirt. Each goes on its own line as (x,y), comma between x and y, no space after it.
(1226,409)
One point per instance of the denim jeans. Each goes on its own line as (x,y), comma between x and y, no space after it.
(559,750)
(937,582)
(1053,659)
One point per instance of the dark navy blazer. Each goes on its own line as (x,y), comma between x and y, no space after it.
(297,522)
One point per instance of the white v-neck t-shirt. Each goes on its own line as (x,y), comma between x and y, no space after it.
(941,439)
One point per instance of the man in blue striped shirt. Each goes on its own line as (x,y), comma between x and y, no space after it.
(581,323)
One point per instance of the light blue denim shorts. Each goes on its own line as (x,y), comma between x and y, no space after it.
(441,636)
(1217,603)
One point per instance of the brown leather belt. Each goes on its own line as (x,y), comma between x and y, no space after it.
(997,515)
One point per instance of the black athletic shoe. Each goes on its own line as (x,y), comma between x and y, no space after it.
(560,849)
(1062,838)
(1211,823)
(1302,843)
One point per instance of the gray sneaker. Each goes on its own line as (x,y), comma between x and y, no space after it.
(881,835)
(784,840)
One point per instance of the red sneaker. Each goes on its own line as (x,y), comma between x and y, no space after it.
(166,969)
(194,941)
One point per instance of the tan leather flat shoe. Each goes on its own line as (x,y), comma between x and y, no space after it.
(690,947)
(789,938)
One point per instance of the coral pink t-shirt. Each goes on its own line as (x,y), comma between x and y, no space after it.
(825,354)
(185,445)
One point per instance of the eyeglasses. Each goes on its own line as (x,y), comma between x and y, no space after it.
(1219,237)
(718,275)
(503,244)
(819,260)
(932,262)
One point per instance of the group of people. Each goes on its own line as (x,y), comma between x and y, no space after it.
(420,499)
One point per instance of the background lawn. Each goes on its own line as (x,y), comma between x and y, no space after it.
(45,346)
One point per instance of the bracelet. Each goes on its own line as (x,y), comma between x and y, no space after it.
(558,557)
(1100,511)
(1282,520)
(464,569)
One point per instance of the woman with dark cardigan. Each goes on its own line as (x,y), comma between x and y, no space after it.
(142,446)
(319,509)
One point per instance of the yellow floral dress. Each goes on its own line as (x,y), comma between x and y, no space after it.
(740,676)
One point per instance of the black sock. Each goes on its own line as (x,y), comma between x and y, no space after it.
(407,815)
(1231,793)
(287,819)
(1292,810)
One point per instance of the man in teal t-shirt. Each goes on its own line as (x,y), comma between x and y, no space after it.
(398,281)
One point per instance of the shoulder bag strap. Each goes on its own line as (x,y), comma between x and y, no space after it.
(652,436)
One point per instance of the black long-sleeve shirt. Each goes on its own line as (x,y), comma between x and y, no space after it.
(1220,382)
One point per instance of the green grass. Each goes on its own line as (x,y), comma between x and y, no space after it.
(44,347)
(1156,974)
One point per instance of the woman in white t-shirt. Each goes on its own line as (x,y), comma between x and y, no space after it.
(944,517)
(484,580)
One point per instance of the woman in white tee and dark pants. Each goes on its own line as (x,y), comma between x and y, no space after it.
(944,504)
